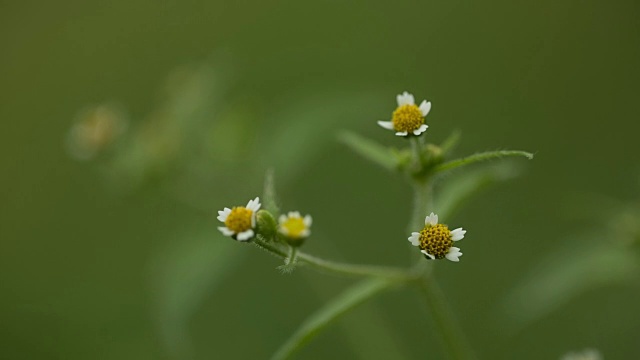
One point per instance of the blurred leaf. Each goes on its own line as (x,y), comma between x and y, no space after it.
(333,309)
(450,143)
(569,272)
(479,157)
(269,197)
(304,129)
(183,276)
(457,191)
(369,149)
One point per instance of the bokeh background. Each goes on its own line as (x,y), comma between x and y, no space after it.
(108,240)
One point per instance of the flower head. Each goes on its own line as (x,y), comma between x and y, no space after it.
(240,221)
(294,226)
(436,240)
(408,118)
(587,354)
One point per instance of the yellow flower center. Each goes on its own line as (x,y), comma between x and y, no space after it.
(239,219)
(294,227)
(407,118)
(436,240)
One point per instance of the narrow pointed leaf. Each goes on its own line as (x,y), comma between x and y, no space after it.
(369,149)
(450,143)
(479,157)
(331,311)
(269,197)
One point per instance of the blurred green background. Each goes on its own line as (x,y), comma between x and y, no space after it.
(119,257)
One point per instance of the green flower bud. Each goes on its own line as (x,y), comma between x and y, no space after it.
(266,224)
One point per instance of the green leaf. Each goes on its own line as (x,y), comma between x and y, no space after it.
(269,198)
(479,157)
(457,191)
(318,321)
(369,149)
(451,142)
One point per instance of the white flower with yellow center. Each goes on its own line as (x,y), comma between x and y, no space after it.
(436,240)
(240,221)
(587,354)
(408,118)
(294,226)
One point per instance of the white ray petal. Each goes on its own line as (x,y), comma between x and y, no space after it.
(308,220)
(402,133)
(425,107)
(429,255)
(245,235)
(414,238)
(386,124)
(453,254)
(225,231)
(254,205)
(458,234)
(222,214)
(455,257)
(421,129)
(432,219)
(405,99)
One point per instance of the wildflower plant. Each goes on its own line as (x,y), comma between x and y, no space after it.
(422,164)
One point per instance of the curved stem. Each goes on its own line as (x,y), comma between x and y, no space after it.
(290,260)
(455,342)
(339,268)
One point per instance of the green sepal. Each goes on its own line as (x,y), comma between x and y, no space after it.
(294,242)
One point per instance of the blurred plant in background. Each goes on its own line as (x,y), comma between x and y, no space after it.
(604,254)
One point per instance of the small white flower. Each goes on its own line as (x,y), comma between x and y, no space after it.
(408,118)
(240,221)
(435,240)
(587,354)
(294,226)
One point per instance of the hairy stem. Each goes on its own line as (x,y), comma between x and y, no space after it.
(390,273)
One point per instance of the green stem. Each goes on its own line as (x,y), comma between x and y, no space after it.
(453,338)
(416,153)
(390,273)
(455,342)
(289,260)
